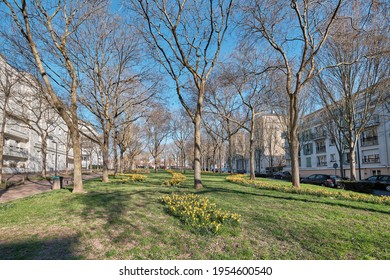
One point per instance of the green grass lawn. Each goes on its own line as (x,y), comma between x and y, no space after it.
(127,221)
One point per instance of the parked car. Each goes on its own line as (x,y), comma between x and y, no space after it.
(283,175)
(322,180)
(380,182)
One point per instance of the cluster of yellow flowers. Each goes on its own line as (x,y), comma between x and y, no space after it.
(199,213)
(339,195)
(131,177)
(176,180)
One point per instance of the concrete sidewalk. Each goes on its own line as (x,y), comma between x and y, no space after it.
(29,188)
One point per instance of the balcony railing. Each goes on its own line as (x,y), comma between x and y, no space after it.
(322,163)
(369,141)
(320,150)
(371,160)
(14,152)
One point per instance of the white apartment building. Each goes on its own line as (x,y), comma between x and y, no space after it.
(319,154)
(269,146)
(26,115)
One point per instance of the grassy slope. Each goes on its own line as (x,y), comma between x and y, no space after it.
(119,221)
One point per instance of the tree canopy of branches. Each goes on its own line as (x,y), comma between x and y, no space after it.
(186,38)
(47,30)
(107,55)
(295,34)
(350,92)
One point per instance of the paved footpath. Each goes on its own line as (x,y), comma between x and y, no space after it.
(30,188)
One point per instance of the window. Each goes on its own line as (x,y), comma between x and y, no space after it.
(308,149)
(321,161)
(332,157)
(369,137)
(308,162)
(371,156)
(376,172)
(320,146)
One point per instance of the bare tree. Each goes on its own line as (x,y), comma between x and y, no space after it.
(296,33)
(186,38)
(108,55)
(181,133)
(157,129)
(252,89)
(47,28)
(351,92)
(222,101)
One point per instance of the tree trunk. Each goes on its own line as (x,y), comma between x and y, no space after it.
(122,161)
(294,141)
(105,157)
(77,175)
(197,153)
(116,161)
(230,154)
(352,161)
(44,155)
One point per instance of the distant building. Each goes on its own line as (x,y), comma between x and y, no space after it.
(269,146)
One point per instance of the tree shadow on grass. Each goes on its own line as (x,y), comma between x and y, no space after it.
(41,249)
(336,202)
(113,206)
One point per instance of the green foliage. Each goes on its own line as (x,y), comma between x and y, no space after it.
(344,195)
(198,213)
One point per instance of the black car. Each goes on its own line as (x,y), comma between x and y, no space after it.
(380,182)
(322,180)
(283,175)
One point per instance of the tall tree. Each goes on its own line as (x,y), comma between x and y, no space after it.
(350,92)
(157,129)
(295,34)
(181,133)
(47,29)
(108,55)
(186,38)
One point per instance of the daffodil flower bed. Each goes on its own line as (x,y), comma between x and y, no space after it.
(199,213)
(126,178)
(176,180)
(241,179)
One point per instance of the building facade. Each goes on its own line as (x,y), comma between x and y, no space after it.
(320,153)
(28,122)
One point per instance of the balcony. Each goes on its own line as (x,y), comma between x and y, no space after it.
(371,141)
(16,133)
(15,153)
(319,164)
(320,150)
(370,160)
(319,135)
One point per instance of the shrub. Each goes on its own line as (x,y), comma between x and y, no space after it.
(198,213)
(176,180)
(361,187)
(241,179)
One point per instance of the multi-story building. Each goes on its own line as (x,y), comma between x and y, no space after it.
(320,153)
(269,146)
(29,121)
